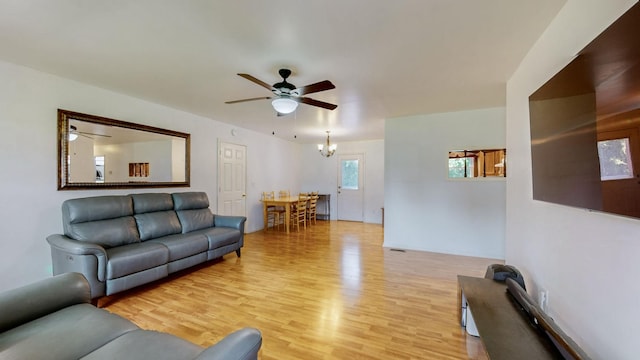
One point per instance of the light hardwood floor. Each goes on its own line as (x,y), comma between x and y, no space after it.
(329,292)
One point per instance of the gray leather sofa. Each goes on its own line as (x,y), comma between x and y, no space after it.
(53,319)
(120,242)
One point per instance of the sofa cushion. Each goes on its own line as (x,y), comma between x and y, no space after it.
(70,333)
(103,220)
(157,224)
(190,200)
(106,233)
(96,208)
(151,202)
(192,220)
(220,236)
(183,245)
(129,259)
(145,344)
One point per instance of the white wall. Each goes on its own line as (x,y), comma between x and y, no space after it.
(82,164)
(178,156)
(587,261)
(424,210)
(272,165)
(156,154)
(118,157)
(30,208)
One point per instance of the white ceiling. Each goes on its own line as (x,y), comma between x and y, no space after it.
(386,58)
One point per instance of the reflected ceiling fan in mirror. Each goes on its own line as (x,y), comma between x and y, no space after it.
(287,96)
(74,133)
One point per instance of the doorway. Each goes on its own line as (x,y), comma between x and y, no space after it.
(232,179)
(350,187)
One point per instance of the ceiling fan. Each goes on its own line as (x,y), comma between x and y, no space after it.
(74,133)
(287,96)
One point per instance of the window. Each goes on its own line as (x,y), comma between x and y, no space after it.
(350,174)
(615,159)
(477,163)
(461,167)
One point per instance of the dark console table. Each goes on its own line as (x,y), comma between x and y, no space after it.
(323,207)
(504,330)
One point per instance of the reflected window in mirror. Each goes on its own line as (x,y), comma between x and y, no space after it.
(97,152)
(477,163)
(615,159)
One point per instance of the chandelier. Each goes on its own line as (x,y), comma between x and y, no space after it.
(327,149)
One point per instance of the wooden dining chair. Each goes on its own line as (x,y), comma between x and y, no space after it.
(304,196)
(281,209)
(274,215)
(311,209)
(299,214)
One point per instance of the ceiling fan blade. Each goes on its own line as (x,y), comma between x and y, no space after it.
(257,81)
(313,88)
(318,103)
(252,99)
(92,134)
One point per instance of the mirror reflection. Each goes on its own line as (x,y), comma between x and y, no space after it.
(98,152)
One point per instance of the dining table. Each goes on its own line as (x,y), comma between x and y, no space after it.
(285,202)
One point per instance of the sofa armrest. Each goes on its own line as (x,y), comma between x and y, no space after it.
(236,222)
(243,344)
(32,301)
(61,244)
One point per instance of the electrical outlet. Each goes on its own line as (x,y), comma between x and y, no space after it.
(543,300)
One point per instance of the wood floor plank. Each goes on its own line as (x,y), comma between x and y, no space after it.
(329,292)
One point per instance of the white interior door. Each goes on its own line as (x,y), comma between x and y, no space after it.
(232,165)
(350,187)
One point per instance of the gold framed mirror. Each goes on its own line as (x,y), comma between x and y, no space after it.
(96,152)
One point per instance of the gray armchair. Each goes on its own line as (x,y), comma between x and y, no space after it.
(53,319)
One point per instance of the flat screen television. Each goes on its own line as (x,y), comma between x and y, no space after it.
(585,125)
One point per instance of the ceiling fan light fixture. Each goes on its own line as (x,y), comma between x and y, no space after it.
(73,133)
(284,105)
